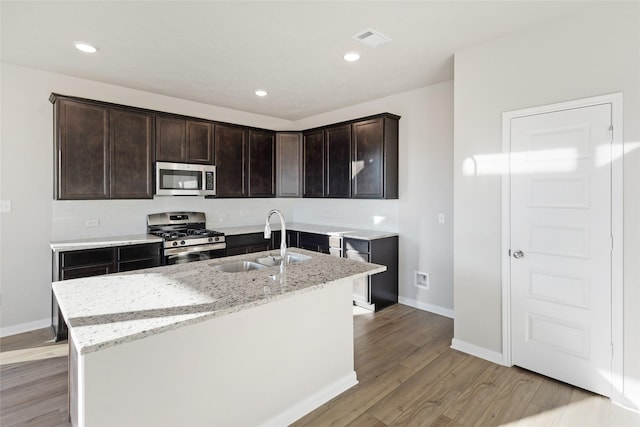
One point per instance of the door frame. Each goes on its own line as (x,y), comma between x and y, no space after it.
(617,301)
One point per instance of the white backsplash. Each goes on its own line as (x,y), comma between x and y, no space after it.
(364,214)
(77,219)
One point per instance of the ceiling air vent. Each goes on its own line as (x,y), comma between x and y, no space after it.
(372,37)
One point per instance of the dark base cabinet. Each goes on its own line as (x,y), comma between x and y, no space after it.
(241,244)
(380,290)
(96,262)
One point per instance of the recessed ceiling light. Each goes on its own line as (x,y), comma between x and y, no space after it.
(261,92)
(85,47)
(351,56)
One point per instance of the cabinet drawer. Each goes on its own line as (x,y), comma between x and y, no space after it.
(79,272)
(86,257)
(138,252)
(358,256)
(314,239)
(138,264)
(356,245)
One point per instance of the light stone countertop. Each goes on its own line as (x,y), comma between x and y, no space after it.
(330,230)
(104,311)
(103,242)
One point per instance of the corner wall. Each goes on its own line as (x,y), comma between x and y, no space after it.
(426,190)
(595,53)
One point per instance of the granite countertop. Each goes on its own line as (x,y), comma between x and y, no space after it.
(103,242)
(331,230)
(113,309)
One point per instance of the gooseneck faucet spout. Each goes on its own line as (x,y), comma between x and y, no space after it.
(283,232)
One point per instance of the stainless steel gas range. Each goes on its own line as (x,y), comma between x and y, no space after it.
(185,237)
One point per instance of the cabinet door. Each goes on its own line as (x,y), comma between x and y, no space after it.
(375,158)
(289,164)
(262,166)
(131,143)
(170,139)
(338,161)
(313,152)
(368,149)
(82,150)
(199,143)
(230,154)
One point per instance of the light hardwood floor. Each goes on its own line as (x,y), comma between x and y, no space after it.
(407,376)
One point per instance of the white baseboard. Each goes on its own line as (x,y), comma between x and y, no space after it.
(312,402)
(474,350)
(24,327)
(436,309)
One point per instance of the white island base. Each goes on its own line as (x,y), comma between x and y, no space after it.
(264,365)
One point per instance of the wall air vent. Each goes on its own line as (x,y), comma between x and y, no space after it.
(371,37)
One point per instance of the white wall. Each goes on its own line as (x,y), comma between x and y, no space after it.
(426,189)
(592,54)
(26,144)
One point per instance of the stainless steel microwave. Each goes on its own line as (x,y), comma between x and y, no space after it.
(185,179)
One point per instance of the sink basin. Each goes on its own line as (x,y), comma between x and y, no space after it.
(239,266)
(293,257)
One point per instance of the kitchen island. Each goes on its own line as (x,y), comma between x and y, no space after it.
(189,345)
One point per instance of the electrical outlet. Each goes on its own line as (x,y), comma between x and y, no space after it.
(92,222)
(421,280)
(223,217)
(5,205)
(441,218)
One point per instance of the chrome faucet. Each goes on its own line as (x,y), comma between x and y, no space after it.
(283,232)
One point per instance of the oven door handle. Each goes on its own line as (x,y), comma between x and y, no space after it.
(198,248)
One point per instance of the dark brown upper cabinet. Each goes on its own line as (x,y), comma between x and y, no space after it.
(289,164)
(183,140)
(313,163)
(131,143)
(338,161)
(356,159)
(375,158)
(262,163)
(101,152)
(231,153)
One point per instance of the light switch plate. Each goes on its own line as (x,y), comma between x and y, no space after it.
(5,205)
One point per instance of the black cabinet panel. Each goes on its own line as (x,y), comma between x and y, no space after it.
(170,139)
(82,150)
(313,164)
(231,156)
(97,262)
(131,144)
(199,143)
(262,166)
(338,160)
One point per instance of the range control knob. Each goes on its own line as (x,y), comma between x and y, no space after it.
(182,242)
(175,243)
(210,239)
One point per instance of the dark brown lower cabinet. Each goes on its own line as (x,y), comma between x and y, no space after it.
(241,244)
(379,290)
(96,262)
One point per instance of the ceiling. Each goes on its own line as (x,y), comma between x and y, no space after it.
(220,52)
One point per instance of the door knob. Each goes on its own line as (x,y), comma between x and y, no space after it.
(518,254)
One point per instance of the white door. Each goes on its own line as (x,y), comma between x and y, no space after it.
(561,245)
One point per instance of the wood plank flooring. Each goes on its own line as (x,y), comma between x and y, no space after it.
(408,376)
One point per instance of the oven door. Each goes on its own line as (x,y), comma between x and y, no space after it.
(193,253)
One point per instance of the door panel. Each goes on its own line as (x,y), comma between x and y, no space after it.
(561,221)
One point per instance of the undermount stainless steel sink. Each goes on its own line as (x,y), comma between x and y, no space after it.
(291,258)
(239,266)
